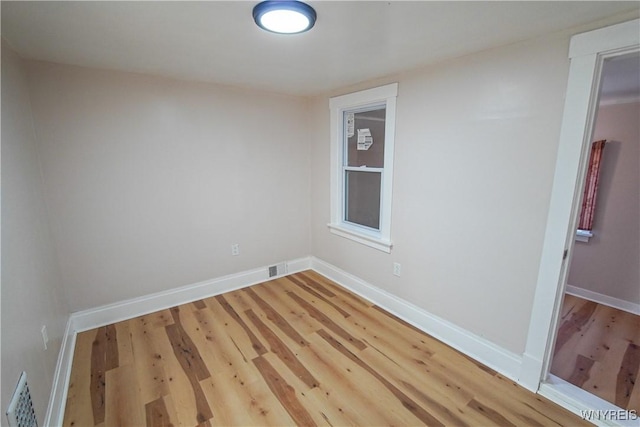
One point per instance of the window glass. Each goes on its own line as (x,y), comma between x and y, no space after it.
(362,198)
(365,138)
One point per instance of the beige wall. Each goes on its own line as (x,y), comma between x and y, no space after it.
(150,180)
(609,263)
(32,292)
(476,142)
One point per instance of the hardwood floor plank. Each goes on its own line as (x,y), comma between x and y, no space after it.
(320,408)
(406,401)
(148,359)
(277,318)
(284,392)
(199,304)
(302,278)
(111,347)
(318,295)
(299,351)
(229,405)
(228,363)
(628,376)
(185,349)
(348,393)
(240,300)
(596,339)
(581,372)
(326,321)
(123,406)
(179,382)
(98,372)
(440,396)
(594,354)
(298,319)
(330,306)
(398,342)
(601,382)
(241,403)
(257,345)
(341,293)
(194,367)
(231,329)
(623,325)
(577,321)
(287,356)
(634,400)
(79,411)
(125,348)
(330,414)
(157,414)
(473,379)
(495,417)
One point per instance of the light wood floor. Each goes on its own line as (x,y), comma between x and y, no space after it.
(294,351)
(598,350)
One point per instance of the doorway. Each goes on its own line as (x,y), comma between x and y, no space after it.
(588,52)
(597,344)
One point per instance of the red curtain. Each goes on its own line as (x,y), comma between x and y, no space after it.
(591,186)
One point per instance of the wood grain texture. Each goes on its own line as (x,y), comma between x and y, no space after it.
(299,350)
(598,350)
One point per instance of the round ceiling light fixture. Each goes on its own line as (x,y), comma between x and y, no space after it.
(284,17)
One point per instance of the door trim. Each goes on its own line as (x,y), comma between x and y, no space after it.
(587,52)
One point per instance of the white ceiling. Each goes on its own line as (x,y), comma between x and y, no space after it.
(219,42)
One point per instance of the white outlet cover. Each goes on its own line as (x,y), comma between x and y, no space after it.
(45,336)
(397,269)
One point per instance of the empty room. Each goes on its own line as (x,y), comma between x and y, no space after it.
(304,213)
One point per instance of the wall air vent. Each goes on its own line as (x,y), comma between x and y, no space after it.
(20,412)
(278,269)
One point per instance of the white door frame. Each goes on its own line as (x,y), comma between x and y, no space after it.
(587,52)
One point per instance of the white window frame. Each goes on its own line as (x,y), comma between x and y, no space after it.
(384,95)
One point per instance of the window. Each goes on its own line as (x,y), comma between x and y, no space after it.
(362,137)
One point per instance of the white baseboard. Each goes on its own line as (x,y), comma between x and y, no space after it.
(59,388)
(112,313)
(587,405)
(530,369)
(478,348)
(116,312)
(607,300)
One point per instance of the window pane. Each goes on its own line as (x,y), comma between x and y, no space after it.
(368,129)
(362,198)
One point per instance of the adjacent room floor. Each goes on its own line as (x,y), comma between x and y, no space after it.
(299,350)
(598,350)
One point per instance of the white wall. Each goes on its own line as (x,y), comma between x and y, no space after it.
(150,180)
(476,142)
(32,292)
(609,263)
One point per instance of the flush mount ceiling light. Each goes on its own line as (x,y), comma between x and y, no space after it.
(284,17)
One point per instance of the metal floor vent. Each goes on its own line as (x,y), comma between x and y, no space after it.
(278,270)
(20,412)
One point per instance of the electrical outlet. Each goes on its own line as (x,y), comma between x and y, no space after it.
(45,336)
(235,249)
(397,269)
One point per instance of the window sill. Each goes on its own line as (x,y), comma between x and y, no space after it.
(583,235)
(361,237)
